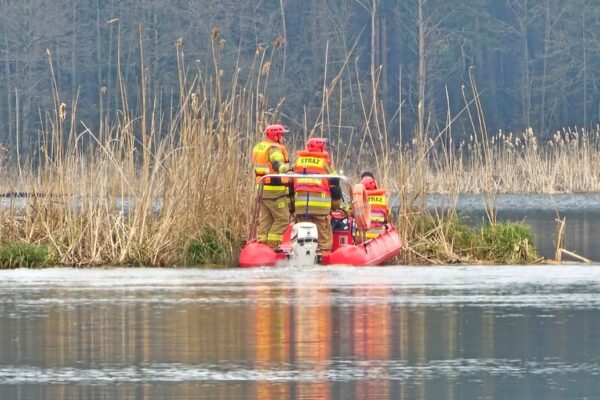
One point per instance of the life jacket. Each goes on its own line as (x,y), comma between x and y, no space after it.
(263,166)
(379,207)
(312,195)
(309,162)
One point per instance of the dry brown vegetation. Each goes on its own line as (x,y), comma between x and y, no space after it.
(131,195)
(144,191)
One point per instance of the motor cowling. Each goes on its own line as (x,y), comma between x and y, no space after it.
(304,242)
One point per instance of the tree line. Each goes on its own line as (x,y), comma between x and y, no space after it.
(535,63)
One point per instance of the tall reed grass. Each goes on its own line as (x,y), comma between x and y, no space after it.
(175,187)
(142,191)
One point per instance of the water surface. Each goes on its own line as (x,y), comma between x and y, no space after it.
(320,333)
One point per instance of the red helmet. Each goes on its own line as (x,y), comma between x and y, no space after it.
(369,183)
(275,132)
(318,145)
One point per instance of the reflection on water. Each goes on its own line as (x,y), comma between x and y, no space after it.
(322,333)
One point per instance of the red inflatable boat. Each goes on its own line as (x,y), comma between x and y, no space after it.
(298,247)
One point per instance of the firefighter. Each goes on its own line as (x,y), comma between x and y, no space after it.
(270,156)
(313,196)
(378,200)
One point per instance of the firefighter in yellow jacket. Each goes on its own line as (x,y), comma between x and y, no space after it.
(312,196)
(270,156)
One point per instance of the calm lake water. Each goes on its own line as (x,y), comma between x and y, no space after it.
(526,332)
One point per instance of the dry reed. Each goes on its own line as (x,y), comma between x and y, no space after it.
(139,191)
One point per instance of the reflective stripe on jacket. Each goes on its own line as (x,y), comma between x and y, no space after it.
(373,233)
(312,163)
(379,207)
(379,212)
(264,155)
(312,195)
(312,199)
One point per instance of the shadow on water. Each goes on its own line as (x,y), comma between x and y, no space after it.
(323,333)
(582,213)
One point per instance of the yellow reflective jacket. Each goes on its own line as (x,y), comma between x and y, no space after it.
(267,155)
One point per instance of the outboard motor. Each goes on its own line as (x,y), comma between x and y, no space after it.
(304,241)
